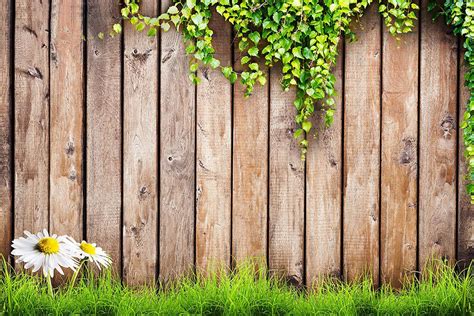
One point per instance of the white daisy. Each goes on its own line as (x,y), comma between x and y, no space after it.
(44,251)
(92,253)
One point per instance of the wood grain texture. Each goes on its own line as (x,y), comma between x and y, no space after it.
(250,171)
(286,213)
(6,126)
(140,174)
(31,115)
(214,157)
(104,135)
(177,149)
(324,191)
(399,157)
(465,229)
(438,97)
(66,129)
(362,150)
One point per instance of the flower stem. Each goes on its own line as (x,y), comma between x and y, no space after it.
(50,285)
(74,276)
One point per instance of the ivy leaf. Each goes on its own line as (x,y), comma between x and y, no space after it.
(194,67)
(307,125)
(190,3)
(140,27)
(125,12)
(253,66)
(253,51)
(245,60)
(151,32)
(165,26)
(117,28)
(215,63)
(254,37)
(134,8)
(173,10)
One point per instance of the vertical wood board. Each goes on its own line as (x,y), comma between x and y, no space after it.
(140,171)
(214,157)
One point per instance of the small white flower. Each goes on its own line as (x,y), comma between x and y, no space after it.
(44,251)
(92,253)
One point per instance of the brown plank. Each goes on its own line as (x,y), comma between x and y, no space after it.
(214,156)
(286,208)
(66,134)
(5,131)
(31,115)
(362,150)
(399,157)
(250,171)
(438,97)
(324,191)
(177,152)
(465,208)
(140,182)
(104,153)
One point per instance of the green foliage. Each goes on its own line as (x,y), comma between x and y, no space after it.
(246,291)
(302,35)
(460,14)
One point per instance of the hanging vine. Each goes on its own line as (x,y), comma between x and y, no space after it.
(302,35)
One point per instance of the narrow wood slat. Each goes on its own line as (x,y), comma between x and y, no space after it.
(66,134)
(362,150)
(31,115)
(250,171)
(465,227)
(5,130)
(104,136)
(140,182)
(399,157)
(177,178)
(324,191)
(214,156)
(286,214)
(437,210)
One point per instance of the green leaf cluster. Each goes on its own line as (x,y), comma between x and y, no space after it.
(303,36)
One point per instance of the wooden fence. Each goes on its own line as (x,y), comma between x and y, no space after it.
(110,141)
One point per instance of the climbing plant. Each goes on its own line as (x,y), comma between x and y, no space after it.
(302,35)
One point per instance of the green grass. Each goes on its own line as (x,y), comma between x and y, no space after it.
(442,291)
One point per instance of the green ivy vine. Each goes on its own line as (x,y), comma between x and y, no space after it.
(302,35)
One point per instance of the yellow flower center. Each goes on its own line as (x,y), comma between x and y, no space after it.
(88,248)
(48,245)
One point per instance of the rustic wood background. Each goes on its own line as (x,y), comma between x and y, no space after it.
(109,141)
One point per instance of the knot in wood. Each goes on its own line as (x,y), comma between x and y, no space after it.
(447,124)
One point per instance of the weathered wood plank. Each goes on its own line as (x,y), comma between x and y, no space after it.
(362,150)
(214,156)
(286,214)
(438,97)
(5,130)
(250,171)
(177,178)
(31,115)
(324,191)
(399,157)
(104,137)
(140,181)
(66,130)
(465,208)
